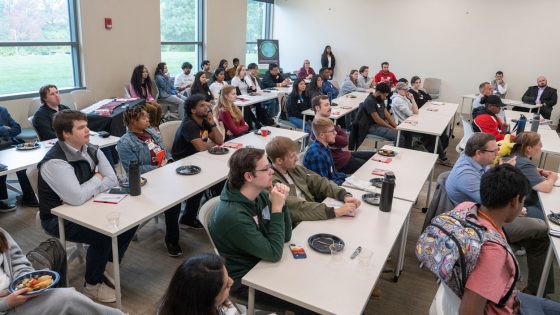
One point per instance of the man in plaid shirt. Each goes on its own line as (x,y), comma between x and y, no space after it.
(318,157)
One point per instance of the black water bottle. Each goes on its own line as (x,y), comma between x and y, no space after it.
(535,122)
(387,190)
(134,178)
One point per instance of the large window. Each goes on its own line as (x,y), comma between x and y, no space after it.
(38,45)
(258,20)
(181,33)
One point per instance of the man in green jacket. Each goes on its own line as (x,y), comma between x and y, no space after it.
(251,221)
(307,188)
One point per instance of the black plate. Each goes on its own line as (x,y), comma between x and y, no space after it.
(218,150)
(554,218)
(387,152)
(28,146)
(372,198)
(321,242)
(188,170)
(258,132)
(377,181)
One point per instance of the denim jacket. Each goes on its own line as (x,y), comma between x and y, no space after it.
(131,148)
(165,87)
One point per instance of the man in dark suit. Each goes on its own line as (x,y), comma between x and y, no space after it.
(540,94)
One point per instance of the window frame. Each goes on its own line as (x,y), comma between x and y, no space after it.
(267,22)
(199,43)
(74,45)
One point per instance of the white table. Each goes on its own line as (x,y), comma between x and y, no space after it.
(164,189)
(550,202)
(246,100)
(321,286)
(506,102)
(550,144)
(257,141)
(345,105)
(411,168)
(445,109)
(17,160)
(426,122)
(512,115)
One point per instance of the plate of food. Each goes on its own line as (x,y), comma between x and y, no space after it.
(321,242)
(218,150)
(188,170)
(28,146)
(387,152)
(36,282)
(372,198)
(262,132)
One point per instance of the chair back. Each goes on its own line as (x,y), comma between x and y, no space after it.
(33,106)
(467,133)
(282,108)
(432,87)
(33,176)
(30,120)
(446,302)
(126,93)
(82,98)
(336,84)
(167,131)
(204,216)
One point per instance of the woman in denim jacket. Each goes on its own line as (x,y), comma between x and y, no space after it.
(142,143)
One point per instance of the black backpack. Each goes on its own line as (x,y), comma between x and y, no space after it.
(50,254)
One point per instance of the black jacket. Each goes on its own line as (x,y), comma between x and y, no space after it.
(549,96)
(325,61)
(270,81)
(42,121)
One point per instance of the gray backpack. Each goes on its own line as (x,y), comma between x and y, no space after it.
(50,254)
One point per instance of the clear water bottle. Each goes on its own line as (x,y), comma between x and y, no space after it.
(134,178)
(387,190)
(535,122)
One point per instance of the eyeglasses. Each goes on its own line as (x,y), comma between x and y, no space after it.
(330,131)
(491,151)
(266,169)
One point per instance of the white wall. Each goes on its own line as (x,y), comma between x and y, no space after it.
(462,42)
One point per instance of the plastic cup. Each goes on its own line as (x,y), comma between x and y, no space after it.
(264,132)
(113,219)
(364,258)
(336,253)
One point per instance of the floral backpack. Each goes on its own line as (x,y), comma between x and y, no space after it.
(451,243)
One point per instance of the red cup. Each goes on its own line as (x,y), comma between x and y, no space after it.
(264,132)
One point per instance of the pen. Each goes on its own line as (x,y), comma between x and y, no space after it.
(356,252)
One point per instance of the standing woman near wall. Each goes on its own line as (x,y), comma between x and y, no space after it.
(327,59)
(141,86)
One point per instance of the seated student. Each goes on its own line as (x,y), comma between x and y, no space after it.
(252,78)
(502,190)
(485,118)
(231,72)
(143,144)
(314,88)
(167,92)
(230,115)
(306,72)
(224,65)
(540,94)
(205,67)
(364,81)
(318,157)
(273,78)
(218,82)
(200,285)
(184,80)
(140,86)
(344,160)
(386,76)
(350,83)
(43,117)
(420,96)
(296,104)
(9,129)
(499,86)
(62,301)
(73,171)
(328,88)
(374,116)
(249,198)
(393,93)
(484,89)
(527,146)
(239,80)
(463,184)
(191,137)
(200,86)
(405,106)
(307,189)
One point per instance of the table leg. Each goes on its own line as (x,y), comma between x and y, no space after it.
(62,235)
(437,142)
(462,102)
(251,302)
(546,270)
(430,180)
(402,247)
(243,111)
(398,137)
(303,124)
(115,245)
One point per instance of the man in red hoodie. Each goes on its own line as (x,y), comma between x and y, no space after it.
(384,75)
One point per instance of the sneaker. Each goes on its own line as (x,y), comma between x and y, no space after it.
(100,292)
(520,252)
(6,206)
(445,162)
(173,249)
(27,203)
(196,225)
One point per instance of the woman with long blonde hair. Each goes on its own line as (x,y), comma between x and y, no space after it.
(229,114)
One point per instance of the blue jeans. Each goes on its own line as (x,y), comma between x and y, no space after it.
(534,305)
(99,251)
(387,133)
(299,122)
